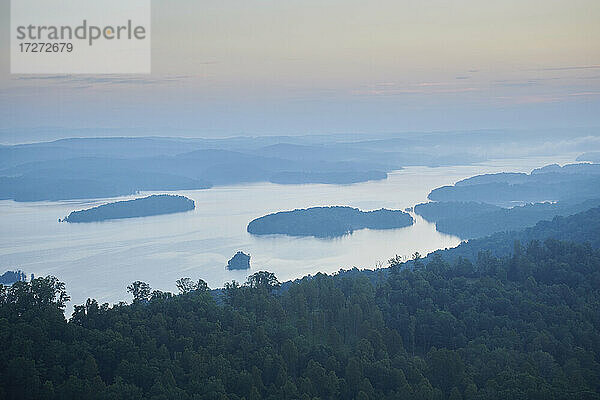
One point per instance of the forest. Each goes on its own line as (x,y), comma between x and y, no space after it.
(521,324)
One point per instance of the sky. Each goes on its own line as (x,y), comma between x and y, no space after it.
(270,67)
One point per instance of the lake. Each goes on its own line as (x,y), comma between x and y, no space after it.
(99,260)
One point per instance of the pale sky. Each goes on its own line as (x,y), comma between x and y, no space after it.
(223,68)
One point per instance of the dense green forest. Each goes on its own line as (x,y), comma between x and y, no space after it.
(524,325)
(327,221)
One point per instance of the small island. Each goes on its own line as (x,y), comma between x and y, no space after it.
(326,222)
(143,207)
(240,260)
(10,277)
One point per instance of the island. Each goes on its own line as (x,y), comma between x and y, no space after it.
(10,277)
(240,260)
(326,222)
(143,207)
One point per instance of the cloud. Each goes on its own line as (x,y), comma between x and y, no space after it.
(396,92)
(584,94)
(529,99)
(569,68)
(84,81)
(509,83)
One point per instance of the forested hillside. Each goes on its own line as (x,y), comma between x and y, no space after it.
(521,326)
(583,227)
(550,183)
(469,220)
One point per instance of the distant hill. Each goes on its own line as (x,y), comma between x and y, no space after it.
(340,178)
(92,168)
(593,156)
(471,220)
(77,168)
(436,211)
(327,221)
(551,183)
(147,206)
(471,207)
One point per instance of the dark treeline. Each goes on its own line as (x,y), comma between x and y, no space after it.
(522,326)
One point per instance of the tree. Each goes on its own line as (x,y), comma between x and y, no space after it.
(140,291)
(263,280)
(417,260)
(49,290)
(40,292)
(202,286)
(186,285)
(445,368)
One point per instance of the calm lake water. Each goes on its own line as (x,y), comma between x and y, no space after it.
(99,260)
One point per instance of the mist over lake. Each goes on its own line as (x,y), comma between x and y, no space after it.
(99,260)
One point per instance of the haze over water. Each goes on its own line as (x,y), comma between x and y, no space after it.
(99,260)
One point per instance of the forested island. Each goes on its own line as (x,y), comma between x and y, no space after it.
(327,221)
(240,260)
(143,207)
(516,322)
(10,277)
